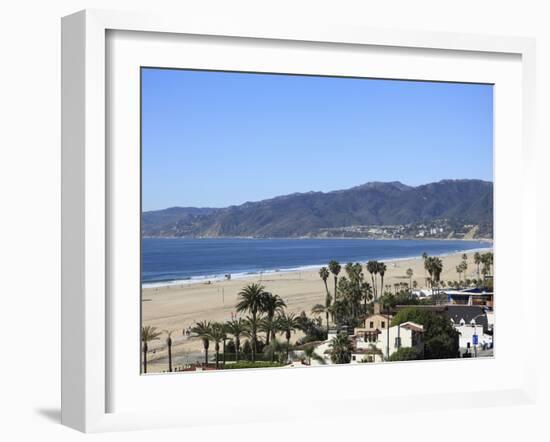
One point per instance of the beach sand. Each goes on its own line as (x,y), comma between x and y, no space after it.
(179,307)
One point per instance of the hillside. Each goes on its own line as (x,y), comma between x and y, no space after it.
(445,208)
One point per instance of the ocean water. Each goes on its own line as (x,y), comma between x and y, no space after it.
(179,260)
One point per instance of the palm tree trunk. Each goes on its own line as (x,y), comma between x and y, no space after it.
(224,353)
(287,348)
(254,337)
(145,357)
(327,321)
(170,356)
(237,348)
(335,286)
(268,333)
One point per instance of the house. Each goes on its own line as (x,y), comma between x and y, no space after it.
(373,323)
(461,315)
(387,341)
(470,320)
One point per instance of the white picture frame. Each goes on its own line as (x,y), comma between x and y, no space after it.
(88,228)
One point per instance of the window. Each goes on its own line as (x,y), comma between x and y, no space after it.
(397,342)
(383,325)
(371,324)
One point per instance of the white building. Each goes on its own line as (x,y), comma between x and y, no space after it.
(407,334)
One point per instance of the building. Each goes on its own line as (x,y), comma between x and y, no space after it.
(375,345)
(472,296)
(373,323)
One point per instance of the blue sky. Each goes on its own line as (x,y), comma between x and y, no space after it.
(212,139)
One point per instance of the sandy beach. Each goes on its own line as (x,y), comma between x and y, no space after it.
(178,307)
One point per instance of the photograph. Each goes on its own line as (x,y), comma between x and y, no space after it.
(300,221)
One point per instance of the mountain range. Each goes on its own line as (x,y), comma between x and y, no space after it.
(453,203)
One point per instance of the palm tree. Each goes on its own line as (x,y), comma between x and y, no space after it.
(477,261)
(487,260)
(271,305)
(309,352)
(217,334)
(288,323)
(382,270)
(251,299)
(459,271)
(372,268)
(367,296)
(237,328)
(324,274)
(410,275)
(274,347)
(319,309)
(335,268)
(270,326)
(464,265)
(148,334)
(169,345)
(340,349)
(203,330)
(425,257)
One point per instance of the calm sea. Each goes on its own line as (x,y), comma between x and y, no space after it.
(175,261)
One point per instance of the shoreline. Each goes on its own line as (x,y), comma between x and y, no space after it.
(206,279)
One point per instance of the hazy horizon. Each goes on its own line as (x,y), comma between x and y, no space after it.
(216,139)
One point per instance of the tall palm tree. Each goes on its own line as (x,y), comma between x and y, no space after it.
(434,266)
(251,299)
(270,326)
(340,349)
(288,323)
(477,261)
(203,330)
(410,275)
(367,296)
(382,270)
(271,305)
(320,309)
(372,268)
(464,265)
(487,261)
(424,258)
(335,267)
(148,334)
(324,274)
(459,271)
(238,328)
(218,335)
(169,345)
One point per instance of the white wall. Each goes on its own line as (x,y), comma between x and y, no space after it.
(30,181)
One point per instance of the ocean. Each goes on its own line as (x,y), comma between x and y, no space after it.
(167,261)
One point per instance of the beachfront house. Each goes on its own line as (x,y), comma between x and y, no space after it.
(374,323)
(387,341)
